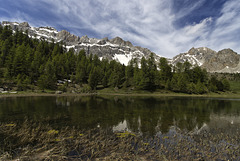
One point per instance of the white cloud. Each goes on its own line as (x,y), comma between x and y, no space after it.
(198,28)
(225,33)
(146,23)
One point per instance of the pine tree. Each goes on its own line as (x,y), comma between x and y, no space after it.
(4,52)
(129,73)
(93,78)
(19,61)
(82,70)
(191,88)
(182,83)
(200,88)
(137,77)
(226,84)
(212,85)
(145,75)
(174,82)
(199,74)
(105,81)
(42,84)
(152,69)
(48,79)
(6,33)
(165,70)
(1,29)
(168,85)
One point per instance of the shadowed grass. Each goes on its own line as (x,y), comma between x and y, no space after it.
(235,86)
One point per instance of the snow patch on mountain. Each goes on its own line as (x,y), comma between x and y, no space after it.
(114,49)
(70,47)
(192,59)
(123,59)
(15,23)
(123,51)
(224,61)
(49,30)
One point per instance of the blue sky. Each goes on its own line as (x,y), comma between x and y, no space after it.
(167,27)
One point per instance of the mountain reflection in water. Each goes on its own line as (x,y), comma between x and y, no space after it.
(144,115)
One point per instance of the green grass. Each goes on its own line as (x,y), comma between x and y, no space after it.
(166,93)
(234,93)
(235,86)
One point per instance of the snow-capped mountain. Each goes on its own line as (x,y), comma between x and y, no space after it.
(116,48)
(194,56)
(224,61)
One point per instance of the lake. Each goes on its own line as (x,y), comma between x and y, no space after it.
(176,128)
(144,115)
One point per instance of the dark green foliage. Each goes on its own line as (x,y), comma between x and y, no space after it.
(200,88)
(182,83)
(146,78)
(42,84)
(191,88)
(165,71)
(226,84)
(48,79)
(26,62)
(217,85)
(6,33)
(117,76)
(94,78)
(22,82)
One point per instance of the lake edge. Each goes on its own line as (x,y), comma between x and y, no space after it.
(211,95)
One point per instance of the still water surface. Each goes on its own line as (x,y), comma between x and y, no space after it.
(143,115)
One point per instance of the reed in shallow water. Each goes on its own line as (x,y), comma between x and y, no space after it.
(40,141)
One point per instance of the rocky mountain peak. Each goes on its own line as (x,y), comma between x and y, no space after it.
(119,41)
(225,60)
(192,50)
(203,50)
(24,24)
(84,39)
(195,56)
(103,41)
(116,48)
(227,52)
(15,25)
(67,36)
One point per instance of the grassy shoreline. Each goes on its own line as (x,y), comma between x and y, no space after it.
(122,93)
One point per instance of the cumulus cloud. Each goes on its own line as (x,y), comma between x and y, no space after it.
(146,23)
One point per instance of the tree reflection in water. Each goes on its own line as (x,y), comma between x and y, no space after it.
(146,115)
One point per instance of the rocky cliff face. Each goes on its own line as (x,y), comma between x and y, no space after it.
(226,61)
(116,48)
(123,51)
(195,56)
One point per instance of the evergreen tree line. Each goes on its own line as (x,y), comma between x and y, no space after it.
(27,63)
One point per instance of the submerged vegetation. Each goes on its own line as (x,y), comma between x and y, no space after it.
(119,128)
(37,141)
(32,64)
